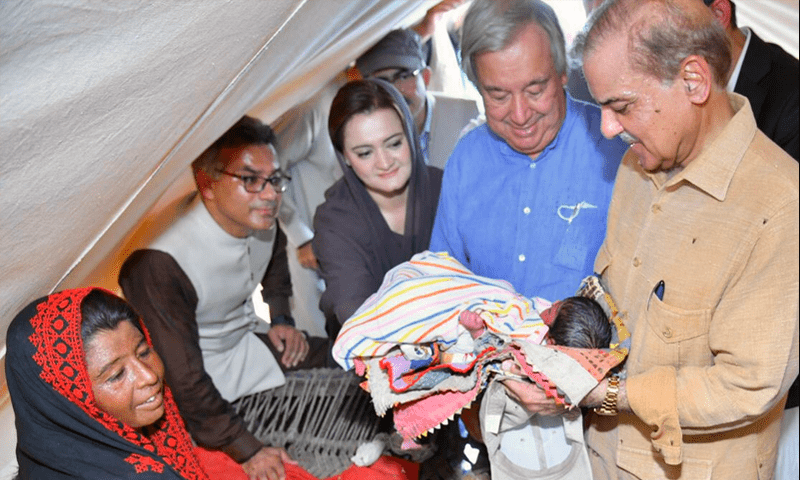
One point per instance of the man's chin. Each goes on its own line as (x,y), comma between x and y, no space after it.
(525,147)
(263,224)
(647,161)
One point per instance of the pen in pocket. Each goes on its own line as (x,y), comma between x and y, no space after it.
(658,290)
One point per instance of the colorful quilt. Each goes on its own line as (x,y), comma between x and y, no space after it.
(423,360)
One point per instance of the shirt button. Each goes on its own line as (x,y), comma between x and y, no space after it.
(636,262)
(522,258)
(526,210)
(533,165)
(655,208)
(667,332)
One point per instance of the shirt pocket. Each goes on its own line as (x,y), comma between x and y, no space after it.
(676,336)
(581,240)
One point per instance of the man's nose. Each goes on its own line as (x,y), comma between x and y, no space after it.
(609,124)
(269,192)
(520,110)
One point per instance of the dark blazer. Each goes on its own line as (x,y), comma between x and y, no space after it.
(768,79)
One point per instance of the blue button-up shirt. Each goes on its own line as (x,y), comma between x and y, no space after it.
(535,223)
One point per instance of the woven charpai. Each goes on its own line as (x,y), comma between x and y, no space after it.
(320,416)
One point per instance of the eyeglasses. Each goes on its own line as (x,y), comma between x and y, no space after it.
(399,76)
(256,183)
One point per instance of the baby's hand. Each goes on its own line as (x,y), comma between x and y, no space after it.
(472,322)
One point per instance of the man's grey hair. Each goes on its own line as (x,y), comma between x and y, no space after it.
(491,25)
(660,39)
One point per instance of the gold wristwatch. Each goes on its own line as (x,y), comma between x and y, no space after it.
(609,406)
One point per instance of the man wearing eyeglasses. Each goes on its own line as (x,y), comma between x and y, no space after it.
(439,118)
(193,288)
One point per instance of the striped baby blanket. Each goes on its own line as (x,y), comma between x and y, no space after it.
(420,302)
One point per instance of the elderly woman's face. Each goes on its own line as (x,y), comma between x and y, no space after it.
(127,375)
(375,145)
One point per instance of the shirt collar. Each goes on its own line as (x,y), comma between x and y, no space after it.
(429,101)
(735,75)
(712,171)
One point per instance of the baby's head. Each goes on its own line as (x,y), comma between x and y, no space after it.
(580,323)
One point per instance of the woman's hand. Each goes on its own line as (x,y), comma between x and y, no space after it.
(267,464)
(289,341)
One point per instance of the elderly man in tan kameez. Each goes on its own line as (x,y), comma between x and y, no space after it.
(701,251)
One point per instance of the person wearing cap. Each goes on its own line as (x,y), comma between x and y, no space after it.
(524,196)
(306,153)
(439,118)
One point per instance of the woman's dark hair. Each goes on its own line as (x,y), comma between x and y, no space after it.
(581,323)
(102,310)
(358,96)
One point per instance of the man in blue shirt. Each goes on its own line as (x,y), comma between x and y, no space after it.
(524,196)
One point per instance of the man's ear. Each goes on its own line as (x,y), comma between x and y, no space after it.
(697,79)
(204,182)
(721,9)
(426,75)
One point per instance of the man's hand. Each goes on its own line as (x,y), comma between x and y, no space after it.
(427,25)
(305,255)
(595,397)
(531,396)
(289,341)
(267,464)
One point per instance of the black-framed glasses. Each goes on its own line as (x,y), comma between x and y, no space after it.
(400,76)
(256,183)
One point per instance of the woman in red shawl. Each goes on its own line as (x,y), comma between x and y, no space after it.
(89,398)
(66,376)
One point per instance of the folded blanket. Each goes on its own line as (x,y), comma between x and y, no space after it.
(403,336)
(420,301)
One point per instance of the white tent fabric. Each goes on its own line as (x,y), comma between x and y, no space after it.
(104,104)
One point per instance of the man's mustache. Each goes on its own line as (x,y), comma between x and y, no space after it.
(269,205)
(628,138)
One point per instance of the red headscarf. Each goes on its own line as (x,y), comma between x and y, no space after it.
(61,431)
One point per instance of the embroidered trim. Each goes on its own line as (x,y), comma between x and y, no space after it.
(59,351)
(145,464)
(574,211)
